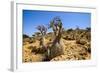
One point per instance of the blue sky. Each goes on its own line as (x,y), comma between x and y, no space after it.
(33,18)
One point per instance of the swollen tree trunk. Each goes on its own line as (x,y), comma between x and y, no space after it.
(57,47)
(43,47)
(42,39)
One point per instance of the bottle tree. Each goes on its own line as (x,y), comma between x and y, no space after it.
(57,48)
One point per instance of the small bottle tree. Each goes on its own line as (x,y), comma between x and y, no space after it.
(42,29)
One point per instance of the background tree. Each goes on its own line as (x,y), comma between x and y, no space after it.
(88,29)
(42,29)
(25,36)
(37,33)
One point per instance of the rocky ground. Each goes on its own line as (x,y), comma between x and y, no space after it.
(74,49)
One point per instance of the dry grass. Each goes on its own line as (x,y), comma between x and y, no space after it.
(74,49)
